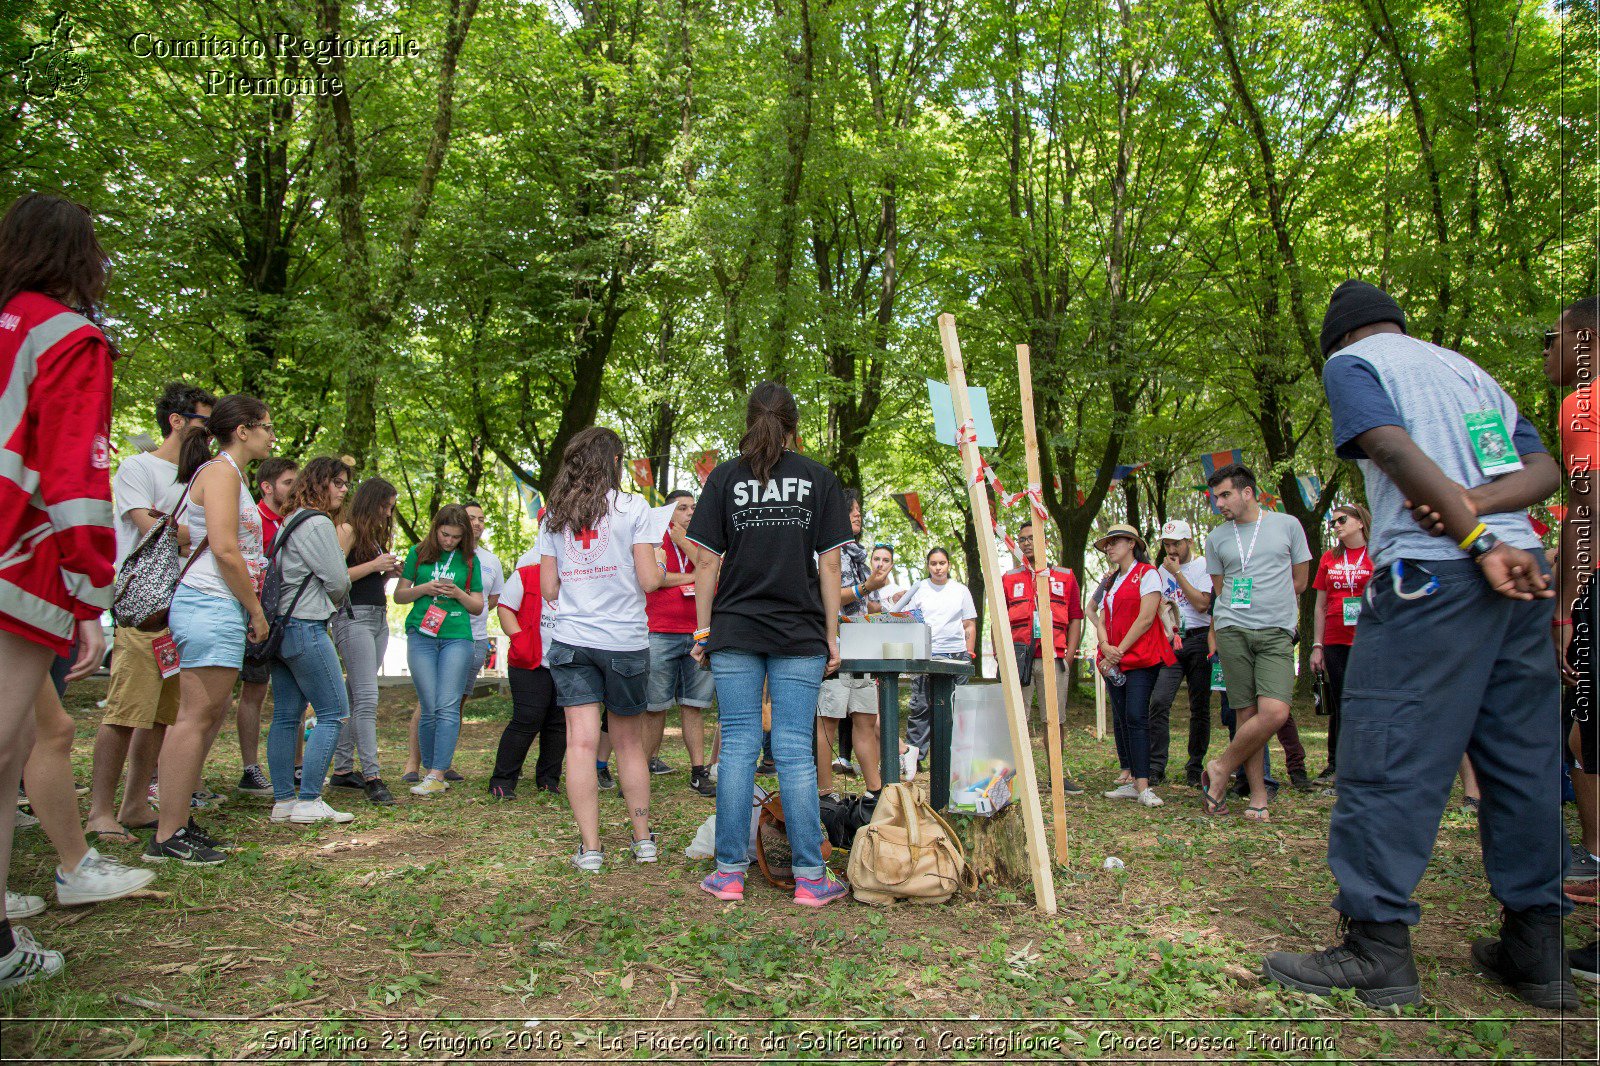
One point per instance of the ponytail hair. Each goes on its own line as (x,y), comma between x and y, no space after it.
(770,419)
(229,415)
(591,470)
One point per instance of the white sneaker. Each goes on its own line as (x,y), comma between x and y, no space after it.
(283,809)
(645,850)
(711,772)
(98,879)
(25,820)
(430,786)
(1149,798)
(908,763)
(20,906)
(592,861)
(1122,792)
(317,810)
(28,961)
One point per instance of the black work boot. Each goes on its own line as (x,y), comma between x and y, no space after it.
(1374,961)
(1531,957)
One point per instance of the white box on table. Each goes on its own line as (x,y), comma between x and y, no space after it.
(865,640)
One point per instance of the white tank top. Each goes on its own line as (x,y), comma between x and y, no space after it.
(203,576)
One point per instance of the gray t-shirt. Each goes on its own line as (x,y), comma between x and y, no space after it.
(143,483)
(1273,543)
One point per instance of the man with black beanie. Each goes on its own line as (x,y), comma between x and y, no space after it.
(1452,656)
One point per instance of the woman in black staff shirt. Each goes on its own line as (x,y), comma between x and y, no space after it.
(769,526)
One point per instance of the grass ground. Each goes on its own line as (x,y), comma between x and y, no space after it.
(453,929)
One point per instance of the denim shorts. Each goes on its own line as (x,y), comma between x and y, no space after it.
(209,630)
(615,679)
(674,675)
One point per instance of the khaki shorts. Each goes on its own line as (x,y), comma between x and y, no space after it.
(840,697)
(138,697)
(1256,663)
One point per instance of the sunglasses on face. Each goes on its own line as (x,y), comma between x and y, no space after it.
(1341,520)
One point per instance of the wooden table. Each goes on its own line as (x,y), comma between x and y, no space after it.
(942,675)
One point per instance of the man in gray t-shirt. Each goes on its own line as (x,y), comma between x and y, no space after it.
(1259,563)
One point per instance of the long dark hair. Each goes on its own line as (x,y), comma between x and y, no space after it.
(591,470)
(47,244)
(451,514)
(371,529)
(313,484)
(770,419)
(229,415)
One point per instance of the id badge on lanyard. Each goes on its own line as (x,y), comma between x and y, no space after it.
(1239,593)
(1491,443)
(432,620)
(1352,610)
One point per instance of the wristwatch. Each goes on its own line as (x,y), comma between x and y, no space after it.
(1485,543)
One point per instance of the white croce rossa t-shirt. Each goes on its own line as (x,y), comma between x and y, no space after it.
(944,608)
(601,605)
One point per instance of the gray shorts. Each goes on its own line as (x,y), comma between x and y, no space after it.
(845,696)
(675,678)
(614,679)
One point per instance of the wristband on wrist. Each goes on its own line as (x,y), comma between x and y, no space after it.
(1473,536)
(1557,622)
(702,635)
(1319,644)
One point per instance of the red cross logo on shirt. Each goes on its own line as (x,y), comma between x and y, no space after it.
(586,538)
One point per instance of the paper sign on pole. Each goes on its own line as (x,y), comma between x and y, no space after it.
(944,414)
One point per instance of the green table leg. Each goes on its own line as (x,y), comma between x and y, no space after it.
(941,690)
(889,727)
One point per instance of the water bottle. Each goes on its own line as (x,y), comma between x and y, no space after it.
(1114,676)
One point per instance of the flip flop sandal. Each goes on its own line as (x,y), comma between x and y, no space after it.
(152,824)
(1214,808)
(113,836)
(1257,814)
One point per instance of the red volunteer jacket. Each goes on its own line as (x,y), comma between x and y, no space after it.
(1066,604)
(527,647)
(1154,647)
(57,549)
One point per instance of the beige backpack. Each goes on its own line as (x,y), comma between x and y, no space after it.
(906,852)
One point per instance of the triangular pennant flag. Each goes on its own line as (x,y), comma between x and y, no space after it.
(1211,462)
(911,506)
(705,464)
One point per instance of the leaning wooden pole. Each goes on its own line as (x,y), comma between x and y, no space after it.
(1041,588)
(1044,888)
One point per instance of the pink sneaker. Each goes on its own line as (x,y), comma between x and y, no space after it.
(724,886)
(820,892)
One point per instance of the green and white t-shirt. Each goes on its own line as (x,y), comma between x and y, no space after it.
(457,624)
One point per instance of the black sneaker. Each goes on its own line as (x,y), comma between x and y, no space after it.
(451,775)
(503,792)
(554,790)
(253,782)
(196,832)
(1585,962)
(348,779)
(1326,777)
(1530,957)
(767,767)
(182,847)
(659,767)
(1299,780)
(703,784)
(603,776)
(1069,787)
(1241,786)
(1191,778)
(298,770)
(1374,961)
(378,793)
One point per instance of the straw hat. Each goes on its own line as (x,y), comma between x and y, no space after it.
(1121,529)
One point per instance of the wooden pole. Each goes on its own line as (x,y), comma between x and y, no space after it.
(1044,887)
(1041,588)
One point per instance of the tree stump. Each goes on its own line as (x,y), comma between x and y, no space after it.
(996,848)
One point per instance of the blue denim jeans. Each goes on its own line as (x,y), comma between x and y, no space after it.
(792,682)
(1130,718)
(307,670)
(439,669)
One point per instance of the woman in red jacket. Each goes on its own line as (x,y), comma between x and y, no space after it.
(1133,648)
(56,541)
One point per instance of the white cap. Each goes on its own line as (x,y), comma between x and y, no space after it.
(1177,529)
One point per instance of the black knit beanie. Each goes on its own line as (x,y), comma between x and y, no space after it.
(1355,304)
